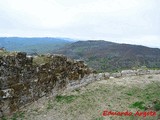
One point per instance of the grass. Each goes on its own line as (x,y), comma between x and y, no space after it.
(157,106)
(65,99)
(4,118)
(3,53)
(115,98)
(88,103)
(100,118)
(41,60)
(150,77)
(139,104)
(16,116)
(49,105)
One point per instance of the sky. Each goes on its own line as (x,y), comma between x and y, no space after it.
(122,21)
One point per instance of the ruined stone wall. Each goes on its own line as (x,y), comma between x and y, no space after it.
(22,81)
(124,73)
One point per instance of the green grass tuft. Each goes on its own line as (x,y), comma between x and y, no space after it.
(157,106)
(65,99)
(139,105)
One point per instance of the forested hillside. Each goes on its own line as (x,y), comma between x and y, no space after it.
(108,56)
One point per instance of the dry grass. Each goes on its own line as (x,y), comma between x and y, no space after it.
(88,103)
(41,60)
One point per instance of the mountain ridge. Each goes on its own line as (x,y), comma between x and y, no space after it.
(104,55)
(33,44)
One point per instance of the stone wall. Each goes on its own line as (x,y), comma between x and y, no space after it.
(104,76)
(22,81)
(124,73)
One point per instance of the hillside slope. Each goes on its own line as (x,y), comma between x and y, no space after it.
(108,56)
(136,93)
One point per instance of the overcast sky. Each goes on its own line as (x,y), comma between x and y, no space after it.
(123,21)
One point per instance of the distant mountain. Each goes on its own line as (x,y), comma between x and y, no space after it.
(31,45)
(109,56)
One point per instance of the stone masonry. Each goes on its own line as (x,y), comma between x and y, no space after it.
(22,82)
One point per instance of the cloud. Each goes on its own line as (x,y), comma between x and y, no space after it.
(116,20)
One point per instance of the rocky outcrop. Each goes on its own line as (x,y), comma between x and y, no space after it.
(23,81)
